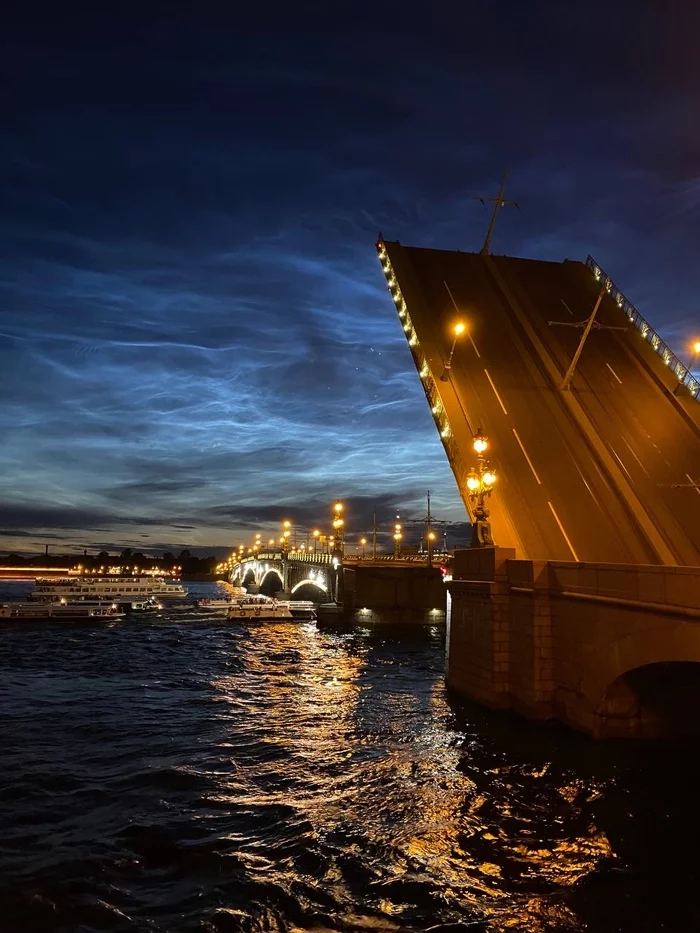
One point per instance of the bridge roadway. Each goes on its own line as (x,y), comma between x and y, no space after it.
(584,474)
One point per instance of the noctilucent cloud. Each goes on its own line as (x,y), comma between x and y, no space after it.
(196,337)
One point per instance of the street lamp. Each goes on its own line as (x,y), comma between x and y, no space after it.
(458,330)
(338,524)
(316,533)
(431,536)
(480,482)
(363,542)
(695,347)
(397,541)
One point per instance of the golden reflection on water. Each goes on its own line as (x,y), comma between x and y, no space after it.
(325,726)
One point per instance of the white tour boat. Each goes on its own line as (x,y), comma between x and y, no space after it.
(234,594)
(299,608)
(258,608)
(265,609)
(60,612)
(113,589)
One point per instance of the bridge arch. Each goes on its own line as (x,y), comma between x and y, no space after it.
(248,576)
(308,581)
(267,575)
(648,684)
(657,700)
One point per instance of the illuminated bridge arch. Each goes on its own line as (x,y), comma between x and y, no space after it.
(310,581)
(267,573)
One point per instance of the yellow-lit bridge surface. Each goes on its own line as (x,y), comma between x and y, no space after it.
(602,472)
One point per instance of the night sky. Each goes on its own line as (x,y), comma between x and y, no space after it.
(196,340)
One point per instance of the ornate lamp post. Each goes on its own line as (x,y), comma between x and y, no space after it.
(397,540)
(480,483)
(338,525)
(363,542)
(458,330)
(695,347)
(431,536)
(316,533)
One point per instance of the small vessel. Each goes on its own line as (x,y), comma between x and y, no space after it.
(259,609)
(121,590)
(266,609)
(223,602)
(61,612)
(299,608)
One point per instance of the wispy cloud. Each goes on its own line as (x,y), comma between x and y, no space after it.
(195,338)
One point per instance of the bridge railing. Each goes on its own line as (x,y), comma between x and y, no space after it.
(676,365)
(322,558)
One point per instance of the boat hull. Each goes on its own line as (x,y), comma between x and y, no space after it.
(52,612)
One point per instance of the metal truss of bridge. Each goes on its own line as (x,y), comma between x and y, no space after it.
(605,470)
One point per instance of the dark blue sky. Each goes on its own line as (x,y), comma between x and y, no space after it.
(195,336)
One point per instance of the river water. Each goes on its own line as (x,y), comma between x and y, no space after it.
(178,774)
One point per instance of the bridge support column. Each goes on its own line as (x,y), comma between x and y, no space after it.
(286,580)
(500,631)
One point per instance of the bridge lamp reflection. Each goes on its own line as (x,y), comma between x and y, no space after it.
(458,329)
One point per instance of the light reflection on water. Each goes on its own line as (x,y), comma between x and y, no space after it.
(193,774)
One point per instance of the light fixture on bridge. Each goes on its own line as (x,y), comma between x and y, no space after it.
(458,330)
(480,483)
(480,443)
(271,542)
(315,533)
(398,535)
(363,542)
(430,537)
(338,525)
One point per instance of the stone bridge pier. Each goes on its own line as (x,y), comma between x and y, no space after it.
(612,650)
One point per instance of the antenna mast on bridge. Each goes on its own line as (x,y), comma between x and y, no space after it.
(498,202)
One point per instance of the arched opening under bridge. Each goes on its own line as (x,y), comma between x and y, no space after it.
(659,700)
(271,582)
(310,589)
(248,577)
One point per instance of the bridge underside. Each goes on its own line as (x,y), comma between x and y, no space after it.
(602,472)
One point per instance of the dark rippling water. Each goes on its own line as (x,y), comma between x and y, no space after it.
(177,774)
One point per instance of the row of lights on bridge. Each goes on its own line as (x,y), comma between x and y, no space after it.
(480,483)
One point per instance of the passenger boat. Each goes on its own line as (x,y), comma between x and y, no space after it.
(299,608)
(223,602)
(121,590)
(265,608)
(60,612)
(259,610)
